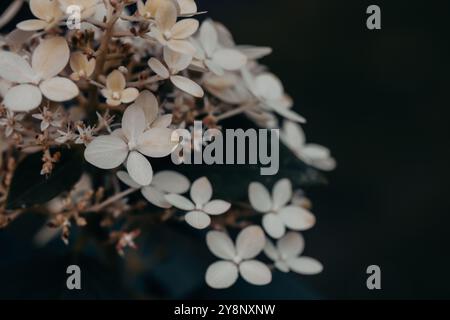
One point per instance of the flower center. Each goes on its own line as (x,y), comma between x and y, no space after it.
(132,145)
(237,259)
(116,95)
(167,35)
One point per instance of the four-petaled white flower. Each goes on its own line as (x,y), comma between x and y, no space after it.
(176,62)
(277,213)
(116,91)
(269,92)
(168,32)
(49,58)
(163,183)
(237,259)
(81,66)
(286,255)
(315,155)
(48,13)
(213,55)
(133,141)
(201,205)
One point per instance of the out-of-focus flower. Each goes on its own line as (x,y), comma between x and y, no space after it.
(286,255)
(277,213)
(168,32)
(215,57)
(176,62)
(163,183)
(269,91)
(293,136)
(12,123)
(237,259)
(49,58)
(116,91)
(201,205)
(65,136)
(130,144)
(49,118)
(81,66)
(48,13)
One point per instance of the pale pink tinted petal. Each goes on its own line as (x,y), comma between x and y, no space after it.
(32,25)
(259,197)
(50,57)
(126,179)
(156,142)
(23,98)
(115,81)
(297,218)
(197,219)
(148,102)
(255,272)
(273,225)
(201,191)
(229,59)
(184,29)
(250,242)
(133,123)
(220,244)
(208,37)
(171,182)
(305,265)
(291,245)
(216,207)
(106,152)
(180,202)
(187,85)
(281,193)
(129,95)
(14,68)
(158,68)
(182,46)
(59,89)
(155,197)
(139,168)
(221,274)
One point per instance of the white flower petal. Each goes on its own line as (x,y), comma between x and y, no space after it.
(182,46)
(184,29)
(163,121)
(176,61)
(129,95)
(50,57)
(250,242)
(254,53)
(208,37)
(23,98)
(273,225)
(197,219)
(268,86)
(32,25)
(44,9)
(126,179)
(133,123)
(287,113)
(180,202)
(139,168)
(201,191)
(305,265)
(281,193)
(255,272)
(297,218)
(148,102)
(171,182)
(271,251)
(282,266)
(106,152)
(59,89)
(14,68)
(293,135)
(158,68)
(220,244)
(156,142)
(291,245)
(115,81)
(221,274)
(216,207)
(166,16)
(155,197)
(229,59)
(187,85)
(259,197)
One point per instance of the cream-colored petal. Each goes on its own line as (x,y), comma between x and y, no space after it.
(14,68)
(201,191)
(171,182)
(129,95)
(50,57)
(216,207)
(273,225)
(23,98)
(291,245)
(229,59)
(133,123)
(158,68)
(250,242)
(281,193)
(44,9)
(139,168)
(163,121)
(220,244)
(155,197)
(176,61)
(197,219)
(221,274)
(166,16)
(255,272)
(208,37)
(259,197)
(180,202)
(297,218)
(32,25)
(59,89)
(184,29)
(115,81)
(106,152)
(305,265)
(126,179)
(182,46)
(187,6)
(156,142)
(148,102)
(187,85)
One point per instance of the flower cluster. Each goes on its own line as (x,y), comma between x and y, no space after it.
(116,89)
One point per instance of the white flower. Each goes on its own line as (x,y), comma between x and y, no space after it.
(12,122)
(269,91)
(237,259)
(48,13)
(277,213)
(65,136)
(315,155)
(116,91)
(286,255)
(85,135)
(132,142)
(214,56)
(163,183)
(81,66)
(176,62)
(201,205)
(49,58)
(168,32)
(49,118)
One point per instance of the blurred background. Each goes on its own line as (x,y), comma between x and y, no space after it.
(378,99)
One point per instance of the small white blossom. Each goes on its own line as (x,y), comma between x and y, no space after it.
(85,135)
(82,67)
(237,259)
(278,214)
(48,118)
(12,123)
(201,205)
(286,255)
(116,91)
(47,12)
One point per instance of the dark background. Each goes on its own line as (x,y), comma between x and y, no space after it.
(379,100)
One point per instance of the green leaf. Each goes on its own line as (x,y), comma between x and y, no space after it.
(29,187)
